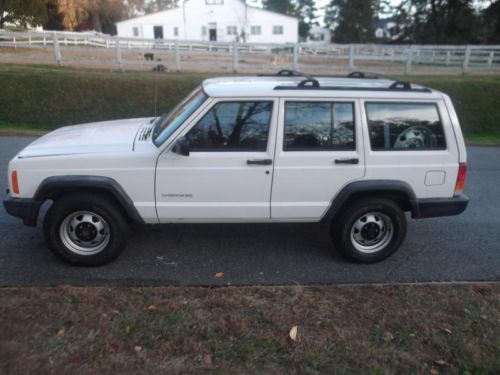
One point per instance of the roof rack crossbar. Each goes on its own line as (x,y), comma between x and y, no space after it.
(285,73)
(309,83)
(401,85)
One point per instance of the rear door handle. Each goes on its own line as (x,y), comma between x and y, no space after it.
(260,162)
(347,161)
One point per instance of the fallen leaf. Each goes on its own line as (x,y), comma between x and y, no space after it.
(440,362)
(388,336)
(434,371)
(219,274)
(60,333)
(484,317)
(152,307)
(293,333)
(448,331)
(207,360)
(137,348)
(412,335)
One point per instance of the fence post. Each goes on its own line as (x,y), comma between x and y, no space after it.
(351,58)
(57,50)
(409,60)
(491,58)
(466,60)
(119,60)
(448,58)
(296,57)
(177,57)
(235,57)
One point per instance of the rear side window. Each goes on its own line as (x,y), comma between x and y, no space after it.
(319,126)
(233,126)
(405,126)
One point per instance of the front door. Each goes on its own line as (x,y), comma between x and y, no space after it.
(212,33)
(319,150)
(228,173)
(158,32)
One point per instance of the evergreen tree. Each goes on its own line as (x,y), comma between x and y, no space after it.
(306,11)
(438,21)
(280,6)
(352,21)
(491,24)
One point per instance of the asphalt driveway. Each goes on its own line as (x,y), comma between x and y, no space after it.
(465,247)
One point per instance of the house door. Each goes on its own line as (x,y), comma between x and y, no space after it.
(212,33)
(158,32)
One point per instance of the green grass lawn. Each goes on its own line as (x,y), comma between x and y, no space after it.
(39,97)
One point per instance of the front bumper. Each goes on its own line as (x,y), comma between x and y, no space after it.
(436,207)
(26,209)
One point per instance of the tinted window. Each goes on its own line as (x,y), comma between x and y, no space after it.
(232,126)
(402,126)
(319,126)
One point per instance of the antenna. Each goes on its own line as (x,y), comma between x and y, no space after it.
(156,94)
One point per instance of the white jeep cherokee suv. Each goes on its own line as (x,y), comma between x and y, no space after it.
(354,152)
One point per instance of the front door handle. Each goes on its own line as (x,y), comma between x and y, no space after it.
(260,162)
(347,161)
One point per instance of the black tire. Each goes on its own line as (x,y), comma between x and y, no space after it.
(116,232)
(351,217)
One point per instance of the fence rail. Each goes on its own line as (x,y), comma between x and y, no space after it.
(120,52)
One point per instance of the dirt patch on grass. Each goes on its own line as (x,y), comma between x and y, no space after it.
(382,329)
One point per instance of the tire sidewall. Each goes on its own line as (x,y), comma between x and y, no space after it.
(342,229)
(61,209)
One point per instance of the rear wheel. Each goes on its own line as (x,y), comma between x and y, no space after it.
(369,230)
(85,229)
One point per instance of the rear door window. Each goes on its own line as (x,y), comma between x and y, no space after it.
(319,126)
(405,126)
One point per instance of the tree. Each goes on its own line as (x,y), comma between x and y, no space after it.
(23,12)
(280,6)
(352,21)
(438,21)
(306,11)
(491,24)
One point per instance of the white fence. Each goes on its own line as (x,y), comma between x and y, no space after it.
(133,53)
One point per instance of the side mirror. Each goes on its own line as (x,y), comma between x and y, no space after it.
(181,146)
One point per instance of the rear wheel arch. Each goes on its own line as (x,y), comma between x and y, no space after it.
(398,191)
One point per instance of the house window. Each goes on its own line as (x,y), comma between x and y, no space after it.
(176,31)
(232,30)
(135,31)
(319,126)
(214,2)
(255,30)
(405,126)
(277,30)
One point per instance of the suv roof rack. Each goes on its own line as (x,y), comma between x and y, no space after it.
(311,83)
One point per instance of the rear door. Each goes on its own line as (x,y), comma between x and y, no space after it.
(319,150)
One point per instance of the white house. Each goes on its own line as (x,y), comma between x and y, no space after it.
(216,20)
(319,35)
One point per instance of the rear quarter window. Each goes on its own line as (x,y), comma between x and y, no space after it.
(405,126)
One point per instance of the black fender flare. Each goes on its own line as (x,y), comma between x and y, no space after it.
(371,186)
(54,186)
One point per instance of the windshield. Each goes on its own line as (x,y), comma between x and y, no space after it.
(167,124)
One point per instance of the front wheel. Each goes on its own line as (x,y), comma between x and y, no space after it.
(369,230)
(85,229)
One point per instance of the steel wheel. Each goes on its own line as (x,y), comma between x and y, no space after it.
(84,233)
(371,232)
